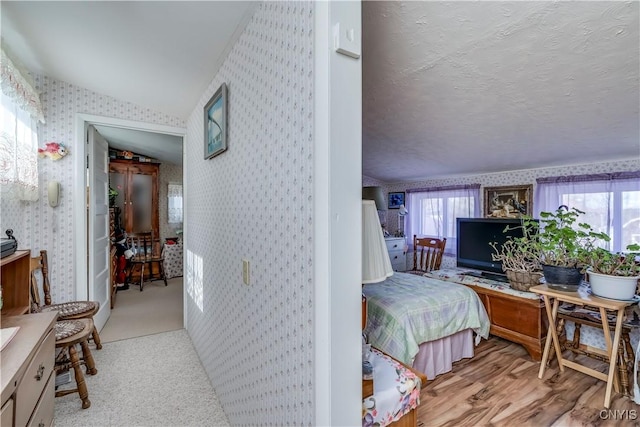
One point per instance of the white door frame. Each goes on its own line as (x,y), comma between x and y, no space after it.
(80,183)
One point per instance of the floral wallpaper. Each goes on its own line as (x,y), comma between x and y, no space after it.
(255,202)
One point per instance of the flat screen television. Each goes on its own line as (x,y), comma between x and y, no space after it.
(473,238)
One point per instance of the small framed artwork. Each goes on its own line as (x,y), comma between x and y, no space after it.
(508,202)
(395,200)
(215,123)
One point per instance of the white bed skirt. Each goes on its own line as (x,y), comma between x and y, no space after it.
(437,357)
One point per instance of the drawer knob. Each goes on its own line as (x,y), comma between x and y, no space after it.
(40,372)
(40,424)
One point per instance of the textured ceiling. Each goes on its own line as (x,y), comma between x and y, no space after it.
(454,88)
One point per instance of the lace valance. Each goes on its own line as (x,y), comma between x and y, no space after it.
(16,84)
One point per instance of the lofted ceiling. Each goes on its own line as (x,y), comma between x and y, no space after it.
(455,88)
(160,55)
(449,88)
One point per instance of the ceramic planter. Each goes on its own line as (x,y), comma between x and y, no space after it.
(565,279)
(613,287)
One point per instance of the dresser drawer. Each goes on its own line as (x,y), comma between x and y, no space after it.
(395,244)
(397,256)
(43,414)
(34,380)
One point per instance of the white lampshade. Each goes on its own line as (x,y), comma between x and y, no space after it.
(376,265)
(402,211)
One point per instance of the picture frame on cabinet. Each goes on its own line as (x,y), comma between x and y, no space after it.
(396,199)
(508,201)
(215,123)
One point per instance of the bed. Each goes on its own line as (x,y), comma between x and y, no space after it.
(424,322)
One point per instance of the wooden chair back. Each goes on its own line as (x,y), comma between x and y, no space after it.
(144,247)
(40,264)
(427,253)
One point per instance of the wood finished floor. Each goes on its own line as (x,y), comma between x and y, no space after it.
(499,386)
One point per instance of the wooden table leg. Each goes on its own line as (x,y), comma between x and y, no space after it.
(610,350)
(613,357)
(551,336)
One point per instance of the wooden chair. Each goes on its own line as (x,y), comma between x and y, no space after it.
(66,311)
(145,253)
(430,250)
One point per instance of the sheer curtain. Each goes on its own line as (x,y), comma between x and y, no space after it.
(174,193)
(433,211)
(19,113)
(610,202)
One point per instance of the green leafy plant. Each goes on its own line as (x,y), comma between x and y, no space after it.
(614,263)
(519,253)
(112,196)
(563,241)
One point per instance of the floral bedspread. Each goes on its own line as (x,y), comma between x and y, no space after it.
(396,391)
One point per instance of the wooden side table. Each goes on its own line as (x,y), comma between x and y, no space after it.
(603,305)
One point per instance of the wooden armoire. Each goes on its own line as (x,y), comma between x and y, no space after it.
(137,199)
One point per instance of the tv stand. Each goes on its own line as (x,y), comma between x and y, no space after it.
(515,315)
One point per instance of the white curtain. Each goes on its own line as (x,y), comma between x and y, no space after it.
(174,193)
(433,211)
(19,113)
(610,202)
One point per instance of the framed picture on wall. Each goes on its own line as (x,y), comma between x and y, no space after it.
(395,200)
(215,123)
(508,202)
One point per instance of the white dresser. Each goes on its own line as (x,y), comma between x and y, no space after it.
(395,246)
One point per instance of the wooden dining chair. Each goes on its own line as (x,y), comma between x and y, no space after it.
(70,310)
(146,254)
(427,254)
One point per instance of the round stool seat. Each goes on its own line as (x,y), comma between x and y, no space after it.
(69,309)
(69,332)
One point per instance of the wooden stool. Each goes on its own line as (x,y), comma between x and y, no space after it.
(68,334)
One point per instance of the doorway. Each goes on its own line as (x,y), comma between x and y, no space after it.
(83,171)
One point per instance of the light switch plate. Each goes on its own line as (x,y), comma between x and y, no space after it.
(245,271)
(346,40)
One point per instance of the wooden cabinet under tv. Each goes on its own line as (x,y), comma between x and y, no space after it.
(518,319)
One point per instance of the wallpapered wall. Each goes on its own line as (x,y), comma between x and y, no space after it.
(254,202)
(38,226)
(168,173)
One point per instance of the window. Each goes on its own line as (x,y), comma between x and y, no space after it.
(20,111)
(174,194)
(433,211)
(610,202)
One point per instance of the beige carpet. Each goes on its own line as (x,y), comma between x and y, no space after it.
(152,381)
(158,308)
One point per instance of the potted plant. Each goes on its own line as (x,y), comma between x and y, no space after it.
(614,275)
(519,256)
(564,246)
(112,197)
